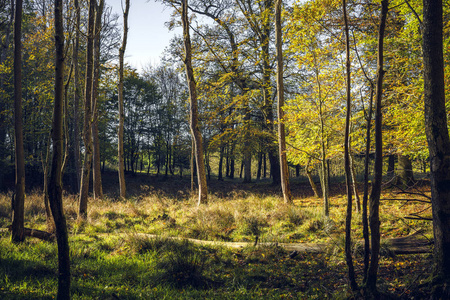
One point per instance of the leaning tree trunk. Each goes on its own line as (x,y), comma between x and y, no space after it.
(55,183)
(96,161)
(87,136)
(347,158)
(374,201)
(122,185)
(195,130)
(437,136)
(284,169)
(19,199)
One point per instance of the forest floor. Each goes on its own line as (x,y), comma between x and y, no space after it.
(125,249)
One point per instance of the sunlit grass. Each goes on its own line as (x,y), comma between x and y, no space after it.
(115,255)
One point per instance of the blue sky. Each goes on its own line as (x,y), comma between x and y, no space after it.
(147,34)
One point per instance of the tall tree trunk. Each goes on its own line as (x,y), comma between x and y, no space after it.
(347,158)
(374,201)
(122,185)
(55,183)
(323,159)
(284,170)
(76,99)
(438,138)
(269,125)
(19,199)
(365,221)
(87,136)
(96,161)
(195,130)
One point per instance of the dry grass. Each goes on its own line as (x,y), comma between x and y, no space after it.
(237,214)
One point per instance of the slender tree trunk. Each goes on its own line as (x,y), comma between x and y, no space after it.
(365,221)
(268,125)
(195,130)
(374,201)
(347,158)
(438,139)
(55,183)
(19,199)
(76,100)
(87,136)
(96,161)
(284,170)
(122,185)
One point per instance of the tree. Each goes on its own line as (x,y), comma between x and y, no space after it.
(120,154)
(284,169)
(314,116)
(438,138)
(96,174)
(374,201)
(76,96)
(55,187)
(87,133)
(347,158)
(195,130)
(19,199)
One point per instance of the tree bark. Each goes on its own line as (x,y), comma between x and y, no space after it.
(87,136)
(437,135)
(374,201)
(122,185)
(347,158)
(195,130)
(19,199)
(55,183)
(284,169)
(96,161)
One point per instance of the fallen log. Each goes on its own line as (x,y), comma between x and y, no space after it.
(35,233)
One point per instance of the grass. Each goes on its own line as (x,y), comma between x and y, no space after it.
(111,259)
